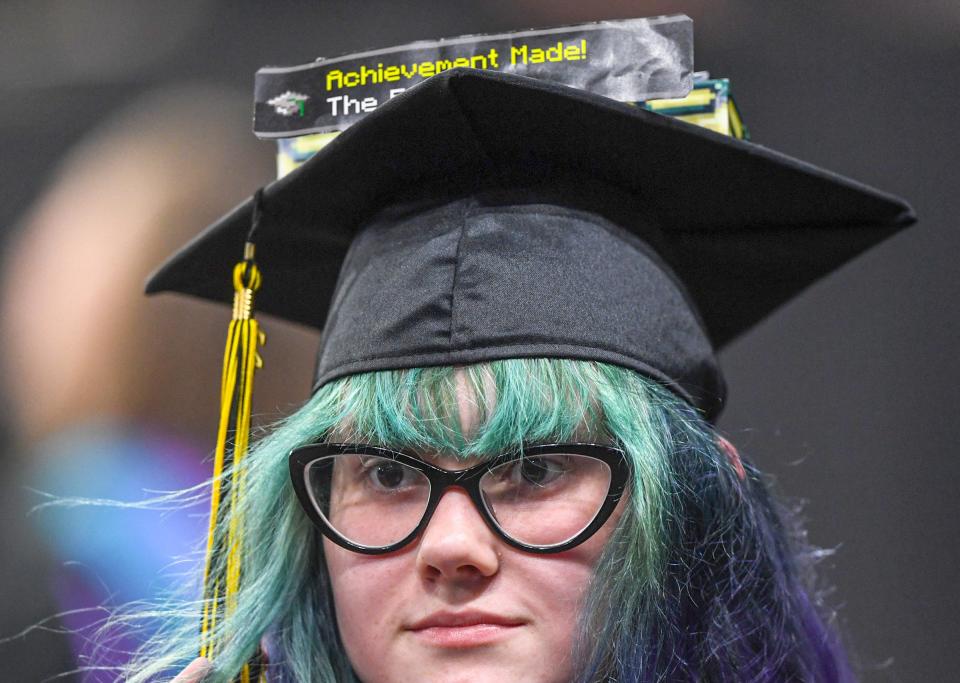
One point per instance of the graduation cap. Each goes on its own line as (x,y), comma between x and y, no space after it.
(482,215)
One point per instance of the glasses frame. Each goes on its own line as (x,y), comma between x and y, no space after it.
(468,479)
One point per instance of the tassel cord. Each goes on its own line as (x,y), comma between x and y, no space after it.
(224,552)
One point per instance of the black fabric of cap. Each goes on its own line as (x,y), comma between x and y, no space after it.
(482,215)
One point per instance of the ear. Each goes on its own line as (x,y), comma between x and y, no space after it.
(262,659)
(733,456)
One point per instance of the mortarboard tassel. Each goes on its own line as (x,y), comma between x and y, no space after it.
(240,361)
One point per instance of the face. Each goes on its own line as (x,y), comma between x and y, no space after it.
(459,604)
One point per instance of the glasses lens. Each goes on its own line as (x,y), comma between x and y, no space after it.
(546,499)
(369,500)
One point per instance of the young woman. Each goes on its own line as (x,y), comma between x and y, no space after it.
(695,575)
(508,469)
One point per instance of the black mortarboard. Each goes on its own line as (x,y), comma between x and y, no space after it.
(482,215)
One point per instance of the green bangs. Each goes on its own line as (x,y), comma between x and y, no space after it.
(505,403)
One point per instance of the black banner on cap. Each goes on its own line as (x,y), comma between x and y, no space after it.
(628,60)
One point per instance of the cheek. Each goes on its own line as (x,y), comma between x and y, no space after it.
(366,596)
(552,588)
(552,591)
(557,584)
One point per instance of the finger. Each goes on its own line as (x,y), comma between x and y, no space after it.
(194,673)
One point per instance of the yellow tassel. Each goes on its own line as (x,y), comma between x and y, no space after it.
(240,361)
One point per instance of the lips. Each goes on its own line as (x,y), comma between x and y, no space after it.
(461,619)
(464,629)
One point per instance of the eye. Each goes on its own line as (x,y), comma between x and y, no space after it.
(540,470)
(387,475)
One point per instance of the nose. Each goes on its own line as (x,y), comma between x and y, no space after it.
(457,544)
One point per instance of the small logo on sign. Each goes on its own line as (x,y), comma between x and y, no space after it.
(289,103)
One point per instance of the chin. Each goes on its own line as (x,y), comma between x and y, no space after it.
(484,665)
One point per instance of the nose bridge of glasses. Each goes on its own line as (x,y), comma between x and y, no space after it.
(454,505)
(447,471)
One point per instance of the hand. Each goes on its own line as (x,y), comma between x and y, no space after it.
(194,673)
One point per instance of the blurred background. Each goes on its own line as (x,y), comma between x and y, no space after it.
(125,128)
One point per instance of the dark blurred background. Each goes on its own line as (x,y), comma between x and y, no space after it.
(848,395)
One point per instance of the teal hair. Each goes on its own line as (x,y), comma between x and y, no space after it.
(285,591)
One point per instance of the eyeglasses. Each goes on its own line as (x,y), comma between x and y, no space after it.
(375,500)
